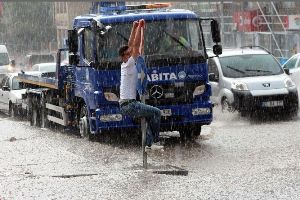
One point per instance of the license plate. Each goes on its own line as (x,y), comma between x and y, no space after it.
(272,103)
(166,112)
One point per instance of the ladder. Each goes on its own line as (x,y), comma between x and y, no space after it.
(268,23)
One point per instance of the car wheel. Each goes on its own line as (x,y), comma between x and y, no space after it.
(226,106)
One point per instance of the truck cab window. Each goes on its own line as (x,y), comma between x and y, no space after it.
(88,45)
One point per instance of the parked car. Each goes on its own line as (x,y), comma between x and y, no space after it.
(44,67)
(35,58)
(6,64)
(250,79)
(293,64)
(11,95)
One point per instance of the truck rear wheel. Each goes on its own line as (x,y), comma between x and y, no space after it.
(34,114)
(44,113)
(12,110)
(34,121)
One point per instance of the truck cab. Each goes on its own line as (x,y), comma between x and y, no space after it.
(85,92)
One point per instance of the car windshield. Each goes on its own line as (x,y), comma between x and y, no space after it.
(291,63)
(4,60)
(15,84)
(238,66)
(171,37)
(51,67)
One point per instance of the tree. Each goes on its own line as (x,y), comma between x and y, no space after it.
(29,26)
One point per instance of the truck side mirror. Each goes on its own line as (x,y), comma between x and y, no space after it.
(73,59)
(72,41)
(13,63)
(213,77)
(215,31)
(217,49)
(5,88)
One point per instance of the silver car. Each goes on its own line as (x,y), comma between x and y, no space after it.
(293,64)
(11,95)
(249,79)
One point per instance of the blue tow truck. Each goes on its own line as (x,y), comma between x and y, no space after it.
(84,93)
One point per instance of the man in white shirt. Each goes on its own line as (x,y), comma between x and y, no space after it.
(128,88)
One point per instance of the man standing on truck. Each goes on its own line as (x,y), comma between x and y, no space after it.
(128,87)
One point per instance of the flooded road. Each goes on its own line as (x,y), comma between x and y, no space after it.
(236,158)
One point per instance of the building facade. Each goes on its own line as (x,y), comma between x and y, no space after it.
(64,14)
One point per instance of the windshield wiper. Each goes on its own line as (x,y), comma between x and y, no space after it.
(176,40)
(256,70)
(235,69)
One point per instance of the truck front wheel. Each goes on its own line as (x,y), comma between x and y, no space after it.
(84,128)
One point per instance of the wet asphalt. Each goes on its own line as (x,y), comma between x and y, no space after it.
(235,158)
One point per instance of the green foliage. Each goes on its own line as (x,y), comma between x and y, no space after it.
(30,25)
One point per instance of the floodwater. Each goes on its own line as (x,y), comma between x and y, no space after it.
(235,158)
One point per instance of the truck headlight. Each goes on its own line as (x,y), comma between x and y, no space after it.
(288,83)
(111,118)
(201,111)
(199,90)
(110,96)
(239,86)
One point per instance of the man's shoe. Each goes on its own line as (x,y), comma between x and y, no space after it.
(155,147)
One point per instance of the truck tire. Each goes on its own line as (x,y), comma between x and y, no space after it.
(12,110)
(35,119)
(190,132)
(84,127)
(44,113)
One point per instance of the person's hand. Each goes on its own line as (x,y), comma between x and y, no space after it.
(135,24)
(142,23)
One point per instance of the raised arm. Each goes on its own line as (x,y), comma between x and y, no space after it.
(138,40)
(133,33)
(141,49)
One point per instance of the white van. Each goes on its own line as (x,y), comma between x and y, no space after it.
(249,79)
(4,60)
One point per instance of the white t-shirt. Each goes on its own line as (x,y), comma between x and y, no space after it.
(128,79)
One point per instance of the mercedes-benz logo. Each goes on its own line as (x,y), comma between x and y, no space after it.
(156,91)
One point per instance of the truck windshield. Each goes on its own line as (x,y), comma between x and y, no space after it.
(4,60)
(168,37)
(238,66)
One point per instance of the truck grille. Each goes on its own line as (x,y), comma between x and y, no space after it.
(171,94)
